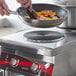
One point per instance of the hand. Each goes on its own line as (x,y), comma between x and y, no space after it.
(26,4)
(3,8)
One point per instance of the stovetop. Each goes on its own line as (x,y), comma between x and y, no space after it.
(43,36)
(54,48)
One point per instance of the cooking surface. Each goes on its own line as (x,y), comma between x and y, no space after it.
(69,36)
(43,36)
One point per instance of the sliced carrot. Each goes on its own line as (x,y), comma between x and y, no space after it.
(48,13)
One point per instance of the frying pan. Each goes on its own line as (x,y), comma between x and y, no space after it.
(61,12)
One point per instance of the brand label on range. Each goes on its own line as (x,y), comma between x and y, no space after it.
(25,68)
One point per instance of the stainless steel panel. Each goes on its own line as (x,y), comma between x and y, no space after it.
(65,64)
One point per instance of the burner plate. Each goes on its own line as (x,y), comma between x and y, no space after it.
(43,36)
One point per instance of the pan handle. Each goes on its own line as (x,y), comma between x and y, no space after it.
(13,12)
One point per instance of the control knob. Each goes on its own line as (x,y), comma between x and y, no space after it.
(14,62)
(35,67)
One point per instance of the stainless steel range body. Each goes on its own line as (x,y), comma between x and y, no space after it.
(20,55)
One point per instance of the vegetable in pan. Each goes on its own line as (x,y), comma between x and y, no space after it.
(46,15)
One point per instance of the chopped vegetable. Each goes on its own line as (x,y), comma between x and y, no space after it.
(46,15)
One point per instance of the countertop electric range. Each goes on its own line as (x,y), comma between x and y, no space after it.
(31,53)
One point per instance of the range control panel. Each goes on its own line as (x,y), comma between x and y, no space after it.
(23,65)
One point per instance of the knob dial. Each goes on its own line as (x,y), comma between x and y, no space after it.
(14,62)
(35,67)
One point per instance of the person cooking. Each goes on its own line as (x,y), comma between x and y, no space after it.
(4,10)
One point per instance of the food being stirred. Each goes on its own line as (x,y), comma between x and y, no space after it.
(46,15)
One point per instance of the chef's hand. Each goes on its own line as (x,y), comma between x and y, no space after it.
(26,3)
(4,10)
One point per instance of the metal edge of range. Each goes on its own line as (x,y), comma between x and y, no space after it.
(68,46)
(46,51)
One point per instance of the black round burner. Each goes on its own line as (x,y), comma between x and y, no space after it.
(43,36)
